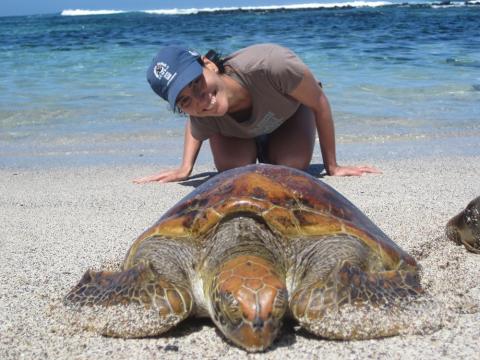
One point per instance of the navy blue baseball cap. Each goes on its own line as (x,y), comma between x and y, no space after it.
(171,70)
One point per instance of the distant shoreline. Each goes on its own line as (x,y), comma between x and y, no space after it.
(264,8)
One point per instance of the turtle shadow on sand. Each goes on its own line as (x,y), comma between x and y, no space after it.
(187,327)
(198,179)
(286,338)
(316,170)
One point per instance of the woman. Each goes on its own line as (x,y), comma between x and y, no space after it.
(261,102)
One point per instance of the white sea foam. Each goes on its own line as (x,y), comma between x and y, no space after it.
(173,11)
(447,4)
(80,12)
(305,6)
(269,7)
(190,11)
(319,5)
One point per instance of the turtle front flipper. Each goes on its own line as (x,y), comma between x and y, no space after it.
(328,307)
(132,303)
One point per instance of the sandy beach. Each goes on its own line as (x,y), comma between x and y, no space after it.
(79,122)
(57,223)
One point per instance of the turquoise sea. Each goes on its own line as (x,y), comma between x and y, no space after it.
(403,79)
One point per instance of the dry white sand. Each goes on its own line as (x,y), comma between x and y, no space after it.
(55,224)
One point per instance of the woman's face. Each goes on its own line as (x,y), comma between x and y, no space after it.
(206,95)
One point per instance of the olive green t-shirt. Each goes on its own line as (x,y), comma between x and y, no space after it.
(269,73)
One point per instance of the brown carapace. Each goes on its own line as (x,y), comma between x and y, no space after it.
(249,248)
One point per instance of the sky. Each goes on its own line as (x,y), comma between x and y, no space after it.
(33,7)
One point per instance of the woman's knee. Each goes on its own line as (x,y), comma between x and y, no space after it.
(223,166)
(229,153)
(300,163)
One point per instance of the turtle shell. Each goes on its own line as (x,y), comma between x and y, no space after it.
(291,202)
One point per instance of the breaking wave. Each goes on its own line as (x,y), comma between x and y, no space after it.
(306,6)
(79,12)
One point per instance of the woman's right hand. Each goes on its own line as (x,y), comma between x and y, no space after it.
(164,176)
(191,147)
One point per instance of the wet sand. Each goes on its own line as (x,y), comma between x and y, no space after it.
(57,223)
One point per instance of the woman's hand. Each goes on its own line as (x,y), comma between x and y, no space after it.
(165,176)
(352,170)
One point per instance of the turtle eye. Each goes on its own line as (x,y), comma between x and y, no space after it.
(231,308)
(229,298)
(281,302)
(468,216)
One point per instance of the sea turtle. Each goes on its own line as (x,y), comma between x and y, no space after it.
(248,248)
(464,228)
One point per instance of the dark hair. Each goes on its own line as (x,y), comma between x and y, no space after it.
(216,58)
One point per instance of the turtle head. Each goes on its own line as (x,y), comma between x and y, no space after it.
(249,300)
(464,228)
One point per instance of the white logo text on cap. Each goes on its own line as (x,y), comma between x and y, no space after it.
(160,70)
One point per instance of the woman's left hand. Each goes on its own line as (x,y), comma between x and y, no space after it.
(353,170)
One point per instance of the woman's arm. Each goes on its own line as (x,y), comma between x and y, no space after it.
(191,147)
(309,93)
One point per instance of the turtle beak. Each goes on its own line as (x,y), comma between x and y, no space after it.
(452,229)
(256,336)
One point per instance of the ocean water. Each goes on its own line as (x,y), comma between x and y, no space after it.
(402,79)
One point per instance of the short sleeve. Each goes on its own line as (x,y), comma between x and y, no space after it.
(203,128)
(285,70)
